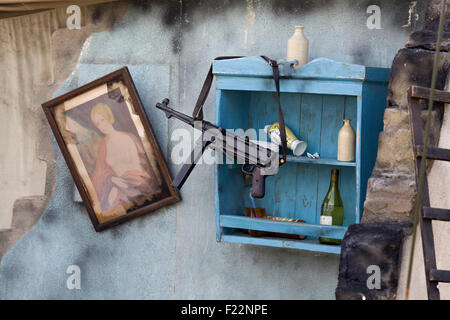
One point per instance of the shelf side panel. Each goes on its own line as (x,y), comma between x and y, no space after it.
(373,106)
(351,195)
(347,190)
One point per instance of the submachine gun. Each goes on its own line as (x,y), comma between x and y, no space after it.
(257,160)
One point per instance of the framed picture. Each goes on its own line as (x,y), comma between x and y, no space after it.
(110,149)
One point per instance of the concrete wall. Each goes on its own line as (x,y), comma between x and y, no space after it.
(173,253)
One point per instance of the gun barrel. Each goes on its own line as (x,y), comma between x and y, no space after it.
(173,113)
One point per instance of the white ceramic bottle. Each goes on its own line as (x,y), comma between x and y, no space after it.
(346,142)
(297,47)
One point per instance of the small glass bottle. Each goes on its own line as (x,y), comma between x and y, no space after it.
(332,208)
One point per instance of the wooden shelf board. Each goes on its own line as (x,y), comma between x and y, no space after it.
(315,230)
(322,161)
(307,244)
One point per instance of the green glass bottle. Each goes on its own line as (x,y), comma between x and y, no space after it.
(332,208)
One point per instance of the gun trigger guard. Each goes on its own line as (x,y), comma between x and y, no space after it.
(250,169)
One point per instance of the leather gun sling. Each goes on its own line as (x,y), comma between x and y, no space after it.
(197,114)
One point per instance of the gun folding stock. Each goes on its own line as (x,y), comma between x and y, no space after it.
(187,167)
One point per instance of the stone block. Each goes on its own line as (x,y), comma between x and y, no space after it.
(394,117)
(395,151)
(369,264)
(433,15)
(390,198)
(427,40)
(414,67)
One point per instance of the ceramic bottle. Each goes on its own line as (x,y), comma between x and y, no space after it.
(297,47)
(346,142)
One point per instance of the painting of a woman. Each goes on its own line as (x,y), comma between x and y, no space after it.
(111,150)
(121,172)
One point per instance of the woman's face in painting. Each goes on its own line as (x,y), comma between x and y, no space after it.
(102,124)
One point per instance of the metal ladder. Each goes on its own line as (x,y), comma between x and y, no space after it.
(416,96)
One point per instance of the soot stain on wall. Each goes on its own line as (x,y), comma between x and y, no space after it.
(172,9)
(116,232)
(299,7)
(12,271)
(42,237)
(179,15)
(92,255)
(171,18)
(50,217)
(97,14)
(172,14)
(362,54)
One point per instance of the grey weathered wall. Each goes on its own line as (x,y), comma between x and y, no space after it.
(37,55)
(173,253)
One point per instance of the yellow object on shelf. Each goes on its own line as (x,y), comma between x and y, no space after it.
(298,147)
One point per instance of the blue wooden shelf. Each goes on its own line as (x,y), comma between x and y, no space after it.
(323,161)
(307,244)
(315,99)
(311,243)
(240,222)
